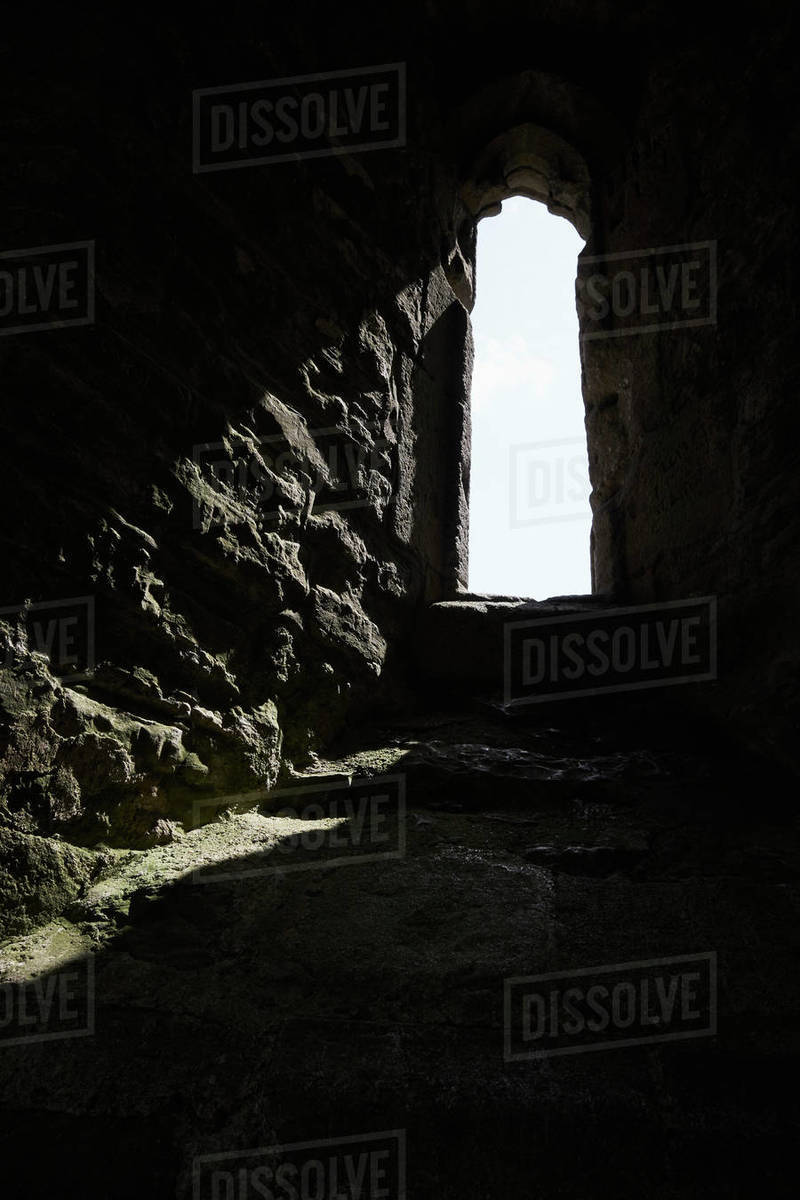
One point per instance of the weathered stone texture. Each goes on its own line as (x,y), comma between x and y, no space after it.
(245,619)
(238,626)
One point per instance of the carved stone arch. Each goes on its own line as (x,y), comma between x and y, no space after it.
(533,135)
(530,134)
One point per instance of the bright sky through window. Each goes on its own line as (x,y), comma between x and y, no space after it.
(529,489)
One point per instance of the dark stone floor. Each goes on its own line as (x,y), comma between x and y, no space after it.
(265,1008)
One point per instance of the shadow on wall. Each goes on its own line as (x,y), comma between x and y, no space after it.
(242,994)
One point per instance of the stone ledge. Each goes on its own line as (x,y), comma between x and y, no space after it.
(462,639)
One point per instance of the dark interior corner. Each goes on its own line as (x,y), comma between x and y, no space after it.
(302,844)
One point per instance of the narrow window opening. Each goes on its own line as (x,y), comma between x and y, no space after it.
(529,517)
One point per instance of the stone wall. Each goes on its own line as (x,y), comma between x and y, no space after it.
(692,430)
(237,626)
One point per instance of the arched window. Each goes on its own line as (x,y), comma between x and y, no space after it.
(529,513)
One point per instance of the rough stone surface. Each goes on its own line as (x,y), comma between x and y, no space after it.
(233,593)
(267,341)
(39,877)
(255,1010)
(94,771)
